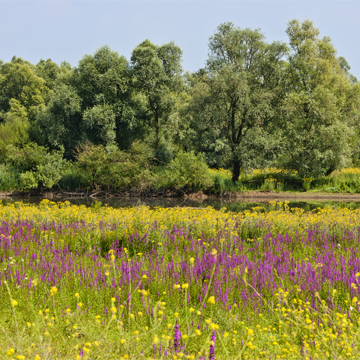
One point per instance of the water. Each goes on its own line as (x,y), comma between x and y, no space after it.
(216,203)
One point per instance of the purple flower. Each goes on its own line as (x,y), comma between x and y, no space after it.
(177,335)
(212,346)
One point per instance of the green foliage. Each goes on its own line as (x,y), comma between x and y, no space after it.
(28,180)
(91,159)
(187,171)
(60,120)
(18,81)
(116,169)
(100,120)
(130,169)
(234,99)
(14,130)
(320,106)
(157,76)
(90,103)
(73,178)
(9,178)
(50,171)
(140,125)
(37,166)
(26,158)
(48,70)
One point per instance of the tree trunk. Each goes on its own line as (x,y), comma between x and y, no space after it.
(236,171)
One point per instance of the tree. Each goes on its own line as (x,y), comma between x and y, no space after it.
(60,120)
(91,102)
(321,105)
(48,70)
(235,98)
(157,76)
(18,80)
(15,128)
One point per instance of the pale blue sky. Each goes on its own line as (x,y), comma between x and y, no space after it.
(66,30)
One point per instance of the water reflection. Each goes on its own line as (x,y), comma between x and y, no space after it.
(217,203)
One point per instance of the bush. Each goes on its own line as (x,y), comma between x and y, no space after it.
(74,178)
(116,169)
(129,170)
(188,170)
(91,159)
(28,181)
(37,166)
(50,172)
(9,178)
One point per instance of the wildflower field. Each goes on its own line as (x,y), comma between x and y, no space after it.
(82,282)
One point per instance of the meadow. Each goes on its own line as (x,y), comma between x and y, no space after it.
(96,282)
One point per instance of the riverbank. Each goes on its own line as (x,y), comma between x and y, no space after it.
(244,196)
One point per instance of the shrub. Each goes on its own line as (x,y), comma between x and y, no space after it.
(28,181)
(37,166)
(129,170)
(190,171)
(9,178)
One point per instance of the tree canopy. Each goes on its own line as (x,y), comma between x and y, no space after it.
(254,104)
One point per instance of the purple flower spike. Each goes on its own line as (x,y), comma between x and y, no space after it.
(177,335)
(212,346)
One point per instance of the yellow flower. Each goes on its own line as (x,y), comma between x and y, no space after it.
(185,286)
(37,357)
(198,332)
(211,300)
(76,295)
(14,302)
(53,290)
(10,352)
(123,341)
(156,340)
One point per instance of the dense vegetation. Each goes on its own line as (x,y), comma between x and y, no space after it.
(95,282)
(144,124)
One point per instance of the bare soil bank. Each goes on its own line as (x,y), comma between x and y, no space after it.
(247,196)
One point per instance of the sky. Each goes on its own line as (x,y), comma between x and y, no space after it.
(67,30)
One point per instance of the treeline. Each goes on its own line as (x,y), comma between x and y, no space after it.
(146,122)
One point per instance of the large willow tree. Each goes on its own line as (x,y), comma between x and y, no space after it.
(321,108)
(236,99)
